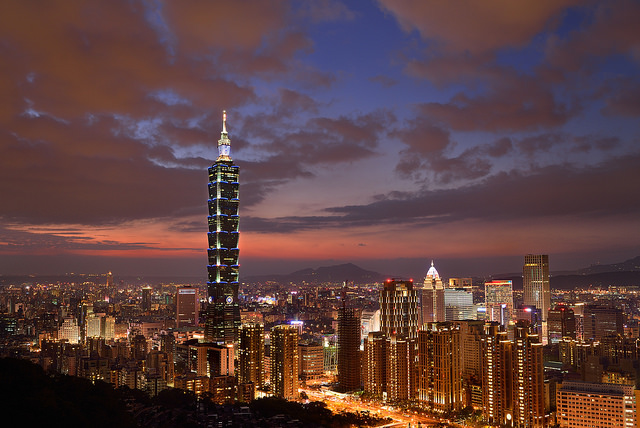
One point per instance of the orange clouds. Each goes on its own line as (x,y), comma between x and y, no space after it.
(478,28)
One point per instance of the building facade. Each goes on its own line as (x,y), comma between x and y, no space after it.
(187,306)
(498,298)
(535,282)
(399,309)
(349,378)
(284,361)
(440,374)
(223,309)
(561,323)
(582,405)
(432,299)
(251,355)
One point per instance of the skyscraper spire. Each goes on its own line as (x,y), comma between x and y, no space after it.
(224,143)
(223,310)
(224,121)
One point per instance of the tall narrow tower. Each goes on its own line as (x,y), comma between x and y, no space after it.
(349,376)
(223,310)
(535,282)
(433,309)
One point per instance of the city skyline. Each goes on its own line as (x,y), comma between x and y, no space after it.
(385,134)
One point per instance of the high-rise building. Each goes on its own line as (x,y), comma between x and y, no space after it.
(311,356)
(602,321)
(535,282)
(284,361)
(69,330)
(496,375)
(582,404)
(223,310)
(399,309)
(513,378)
(458,304)
(93,326)
(187,305)
(349,378)
(440,374)
(471,350)
(398,369)
(561,323)
(251,355)
(528,379)
(433,306)
(498,297)
(146,299)
(375,364)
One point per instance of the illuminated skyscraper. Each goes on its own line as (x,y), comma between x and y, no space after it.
(187,304)
(513,378)
(498,297)
(284,361)
(433,306)
(375,364)
(251,355)
(399,309)
(528,379)
(146,299)
(440,374)
(535,282)
(349,378)
(223,310)
(561,323)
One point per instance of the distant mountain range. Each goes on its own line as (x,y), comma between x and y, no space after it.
(337,273)
(617,274)
(624,273)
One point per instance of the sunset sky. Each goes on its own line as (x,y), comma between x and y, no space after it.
(384,133)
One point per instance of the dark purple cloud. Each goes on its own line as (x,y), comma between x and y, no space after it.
(554,191)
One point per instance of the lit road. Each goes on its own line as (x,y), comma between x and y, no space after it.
(338,403)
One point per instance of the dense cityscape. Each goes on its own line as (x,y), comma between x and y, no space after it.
(439,351)
(320,213)
(432,351)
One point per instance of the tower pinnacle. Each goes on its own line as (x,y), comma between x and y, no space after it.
(224,121)
(224,143)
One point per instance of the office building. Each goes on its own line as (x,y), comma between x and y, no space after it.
(251,355)
(602,321)
(187,307)
(370,321)
(582,405)
(498,297)
(440,374)
(399,309)
(284,361)
(528,379)
(398,366)
(69,330)
(496,375)
(146,300)
(461,283)
(311,356)
(432,299)
(535,282)
(471,349)
(561,323)
(512,378)
(223,309)
(349,378)
(375,364)
(458,304)
(94,325)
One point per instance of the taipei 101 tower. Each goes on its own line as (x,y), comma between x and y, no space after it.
(223,310)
